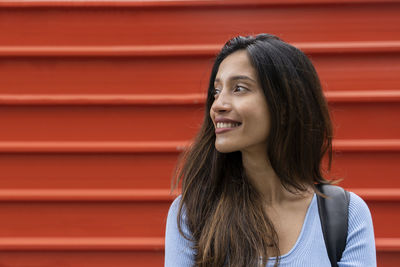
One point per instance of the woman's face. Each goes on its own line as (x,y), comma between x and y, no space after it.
(239,112)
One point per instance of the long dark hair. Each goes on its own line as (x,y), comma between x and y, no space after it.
(224,211)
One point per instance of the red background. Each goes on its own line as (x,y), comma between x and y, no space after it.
(97,99)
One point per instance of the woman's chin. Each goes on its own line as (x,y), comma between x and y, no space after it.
(225,148)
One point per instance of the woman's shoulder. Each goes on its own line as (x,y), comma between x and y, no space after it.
(360,245)
(178,247)
(174,207)
(173,212)
(176,201)
(358,208)
(360,218)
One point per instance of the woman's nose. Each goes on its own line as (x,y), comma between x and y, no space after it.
(222,103)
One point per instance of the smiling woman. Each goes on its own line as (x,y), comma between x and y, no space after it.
(249,181)
(239,106)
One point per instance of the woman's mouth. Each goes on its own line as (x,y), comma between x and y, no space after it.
(222,127)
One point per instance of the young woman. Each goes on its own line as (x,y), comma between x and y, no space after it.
(249,179)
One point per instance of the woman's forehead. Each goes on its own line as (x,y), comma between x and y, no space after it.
(235,67)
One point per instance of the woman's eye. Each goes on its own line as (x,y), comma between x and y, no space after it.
(239,89)
(216,92)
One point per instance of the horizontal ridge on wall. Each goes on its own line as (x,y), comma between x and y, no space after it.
(166,146)
(366,145)
(377,194)
(136,195)
(106,99)
(147,195)
(115,244)
(82,243)
(188,50)
(93,147)
(362,96)
(388,244)
(177,3)
(174,99)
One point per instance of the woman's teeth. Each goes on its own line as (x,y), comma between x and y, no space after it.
(227,124)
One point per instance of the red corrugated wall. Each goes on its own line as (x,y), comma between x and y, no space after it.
(97,99)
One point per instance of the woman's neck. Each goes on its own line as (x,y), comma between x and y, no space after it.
(263,177)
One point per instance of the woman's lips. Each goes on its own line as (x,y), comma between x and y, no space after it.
(220,130)
(223,130)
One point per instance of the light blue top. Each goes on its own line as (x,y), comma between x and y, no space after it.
(309,250)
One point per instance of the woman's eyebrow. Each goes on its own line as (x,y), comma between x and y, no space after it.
(238,77)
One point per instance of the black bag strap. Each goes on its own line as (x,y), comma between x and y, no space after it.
(334,213)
